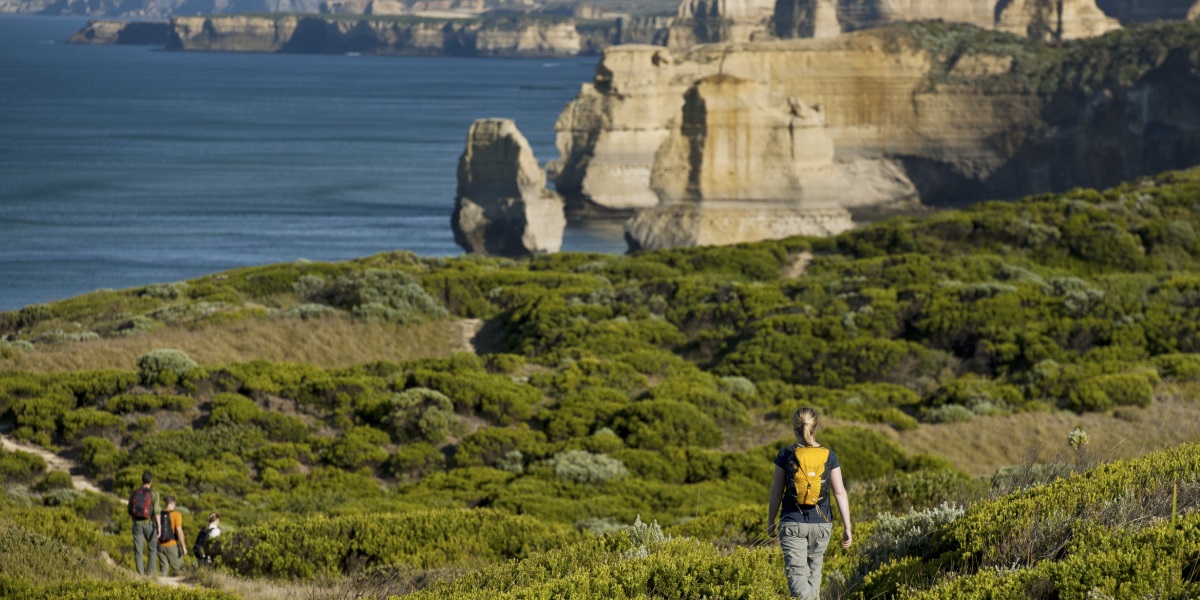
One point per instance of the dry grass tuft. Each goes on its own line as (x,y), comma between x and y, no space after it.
(983,445)
(330,342)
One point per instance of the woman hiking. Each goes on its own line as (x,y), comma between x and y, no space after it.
(805,474)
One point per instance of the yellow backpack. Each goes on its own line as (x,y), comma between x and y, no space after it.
(806,472)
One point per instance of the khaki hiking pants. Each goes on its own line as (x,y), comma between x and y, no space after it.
(804,546)
(169,556)
(145,543)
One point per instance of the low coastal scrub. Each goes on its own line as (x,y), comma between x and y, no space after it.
(613,390)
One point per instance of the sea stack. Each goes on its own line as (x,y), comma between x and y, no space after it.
(503,207)
(742,165)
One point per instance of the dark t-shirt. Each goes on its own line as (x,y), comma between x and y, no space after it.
(821,513)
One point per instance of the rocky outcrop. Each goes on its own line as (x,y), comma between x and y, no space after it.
(1054,20)
(949,126)
(503,207)
(515,36)
(133,33)
(741,166)
(1194,13)
(708,21)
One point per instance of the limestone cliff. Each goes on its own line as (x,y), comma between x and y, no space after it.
(503,207)
(134,33)
(707,21)
(949,115)
(741,166)
(1048,19)
(312,34)
(1054,19)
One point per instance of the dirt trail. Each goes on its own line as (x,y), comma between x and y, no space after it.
(54,462)
(470,329)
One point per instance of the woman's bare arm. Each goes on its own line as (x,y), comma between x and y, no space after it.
(776,500)
(843,503)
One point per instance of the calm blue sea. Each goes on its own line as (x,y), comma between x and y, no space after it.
(122,166)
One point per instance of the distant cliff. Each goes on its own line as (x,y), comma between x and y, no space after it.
(740,21)
(939,113)
(134,33)
(336,34)
(500,36)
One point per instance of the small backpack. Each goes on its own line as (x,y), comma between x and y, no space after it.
(201,539)
(806,475)
(141,504)
(165,533)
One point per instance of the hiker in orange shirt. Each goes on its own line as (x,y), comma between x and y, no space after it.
(171,545)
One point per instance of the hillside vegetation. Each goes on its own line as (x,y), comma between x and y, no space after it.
(650,390)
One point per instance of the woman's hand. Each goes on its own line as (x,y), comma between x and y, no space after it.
(771,529)
(847,540)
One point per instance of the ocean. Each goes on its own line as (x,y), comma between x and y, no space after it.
(127,165)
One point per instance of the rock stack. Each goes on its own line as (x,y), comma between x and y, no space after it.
(503,207)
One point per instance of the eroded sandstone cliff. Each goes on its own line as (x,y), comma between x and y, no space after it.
(515,36)
(1046,19)
(503,207)
(741,165)
(707,21)
(133,33)
(946,114)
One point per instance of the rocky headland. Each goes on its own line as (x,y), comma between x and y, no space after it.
(953,114)
(724,143)
(132,33)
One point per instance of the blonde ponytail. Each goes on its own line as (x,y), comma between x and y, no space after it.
(804,422)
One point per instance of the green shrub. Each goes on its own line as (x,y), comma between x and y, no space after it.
(949,413)
(1178,366)
(585,467)
(378,295)
(55,480)
(658,424)
(420,414)
(313,546)
(89,421)
(863,453)
(496,397)
(132,403)
(164,366)
(487,446)
(233,409)
(100,457)
(357,448)
(20,467)
(414,461)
